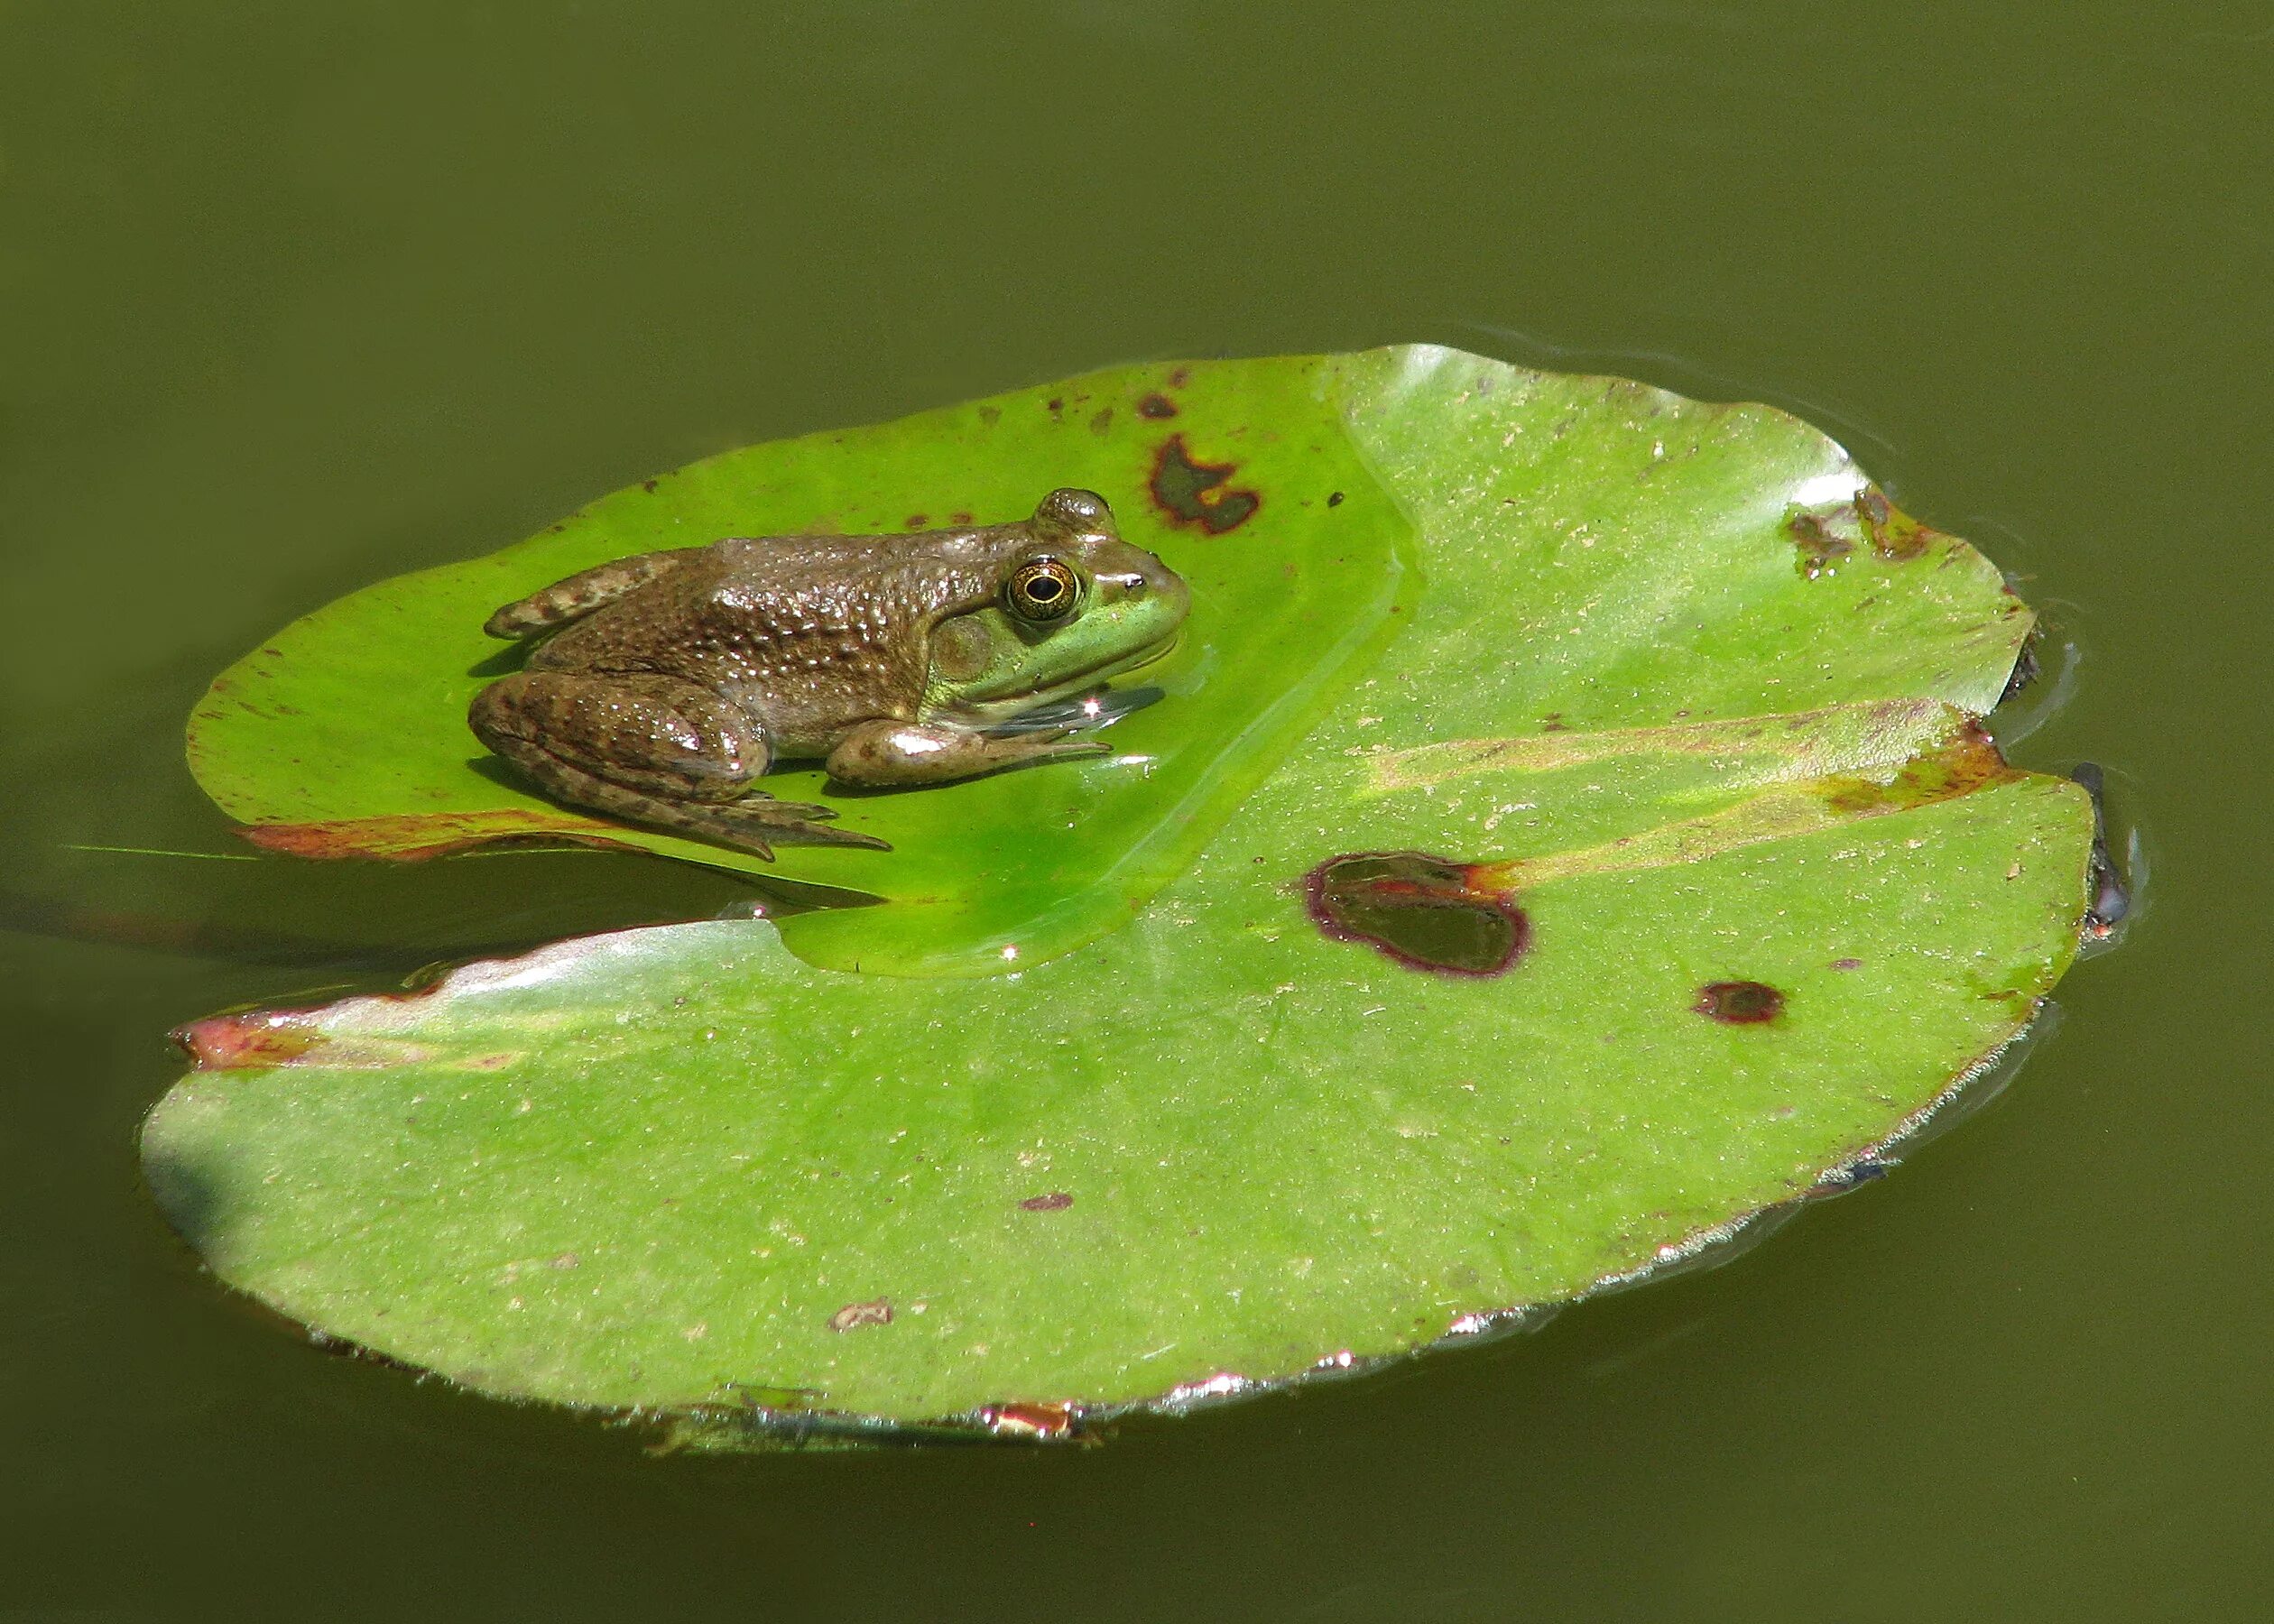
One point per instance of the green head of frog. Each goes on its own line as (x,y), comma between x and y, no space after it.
(1074,605)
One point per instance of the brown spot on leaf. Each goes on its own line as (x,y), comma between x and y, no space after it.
(648,485)
(1971,761)
(1818,549)
(256,1038)
(1191,491)
(1101,420)
(877,1311)
(1739,1002)
(1157,406)
(1425,912)
(1847,964)
(1333,499)
(916,522)
(413,836)
(1030,1420)
(1055,1202)
(1894,534)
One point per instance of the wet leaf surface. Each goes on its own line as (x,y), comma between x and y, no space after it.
(1637,878)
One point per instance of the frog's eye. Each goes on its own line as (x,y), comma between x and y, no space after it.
(1043,589)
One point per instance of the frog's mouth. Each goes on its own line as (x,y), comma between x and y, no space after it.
(1007,709)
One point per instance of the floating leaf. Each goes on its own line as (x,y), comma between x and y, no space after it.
(1654,872)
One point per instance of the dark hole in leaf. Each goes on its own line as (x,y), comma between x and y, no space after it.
(1423,911)
(1157,406)
(1739,1002)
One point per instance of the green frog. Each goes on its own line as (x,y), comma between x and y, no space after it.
(660,686)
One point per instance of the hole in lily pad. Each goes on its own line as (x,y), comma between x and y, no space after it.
(1426,912)
(1739,1002)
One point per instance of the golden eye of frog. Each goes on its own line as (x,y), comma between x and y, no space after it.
(659,687)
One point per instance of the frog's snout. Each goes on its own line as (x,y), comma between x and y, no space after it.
(1159,589)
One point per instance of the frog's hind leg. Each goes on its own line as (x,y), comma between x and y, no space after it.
(649,749)
(582,593)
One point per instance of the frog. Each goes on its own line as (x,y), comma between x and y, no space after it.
(657,689)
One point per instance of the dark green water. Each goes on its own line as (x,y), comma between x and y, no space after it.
(294,297)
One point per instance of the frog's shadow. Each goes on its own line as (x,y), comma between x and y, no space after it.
(503,663)
(498,770)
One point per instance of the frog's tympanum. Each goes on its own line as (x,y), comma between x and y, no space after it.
(662,686)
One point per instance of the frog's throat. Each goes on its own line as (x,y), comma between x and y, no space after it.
(996,710)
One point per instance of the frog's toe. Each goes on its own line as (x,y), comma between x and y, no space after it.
(821,834)
(759,818)
(799,831)
(798,812)
(761,808)
(1059,744)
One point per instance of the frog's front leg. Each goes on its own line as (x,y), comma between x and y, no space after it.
(649,749)
(882,755)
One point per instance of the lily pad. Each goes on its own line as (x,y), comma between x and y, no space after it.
(1649,870)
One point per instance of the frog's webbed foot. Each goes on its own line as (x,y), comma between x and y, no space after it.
(758,823)
(1099,708)
(885,755)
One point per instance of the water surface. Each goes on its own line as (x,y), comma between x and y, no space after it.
(293,297)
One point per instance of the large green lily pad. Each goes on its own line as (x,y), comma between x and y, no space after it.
(1648,870)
